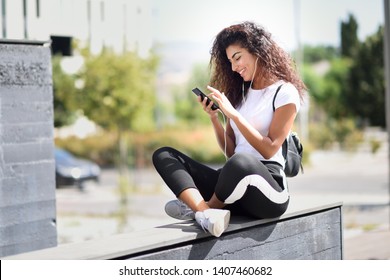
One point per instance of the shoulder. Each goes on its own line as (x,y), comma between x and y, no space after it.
(287,94)
(288,88)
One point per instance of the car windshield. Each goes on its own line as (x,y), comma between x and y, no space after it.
(63,156)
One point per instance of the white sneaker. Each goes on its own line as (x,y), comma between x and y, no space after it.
(179,210)
(214,221)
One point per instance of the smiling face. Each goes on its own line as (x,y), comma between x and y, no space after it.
(242,61)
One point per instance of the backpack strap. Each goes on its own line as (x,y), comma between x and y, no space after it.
(276,93)
(285,143)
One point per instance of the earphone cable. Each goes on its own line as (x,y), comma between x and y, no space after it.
(250,86)
(224,135)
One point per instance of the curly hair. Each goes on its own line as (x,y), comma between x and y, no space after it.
(273,60)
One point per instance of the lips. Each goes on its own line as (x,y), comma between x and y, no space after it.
(241,71)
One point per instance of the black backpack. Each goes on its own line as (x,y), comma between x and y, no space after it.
(292,150)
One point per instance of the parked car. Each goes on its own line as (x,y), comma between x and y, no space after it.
(71,170)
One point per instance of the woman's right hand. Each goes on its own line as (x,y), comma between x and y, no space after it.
(207,108)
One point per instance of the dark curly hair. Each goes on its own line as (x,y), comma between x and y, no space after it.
(276,64)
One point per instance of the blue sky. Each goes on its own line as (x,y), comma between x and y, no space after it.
(319,20)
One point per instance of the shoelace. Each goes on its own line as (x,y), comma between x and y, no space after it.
(203,224)
(185,211)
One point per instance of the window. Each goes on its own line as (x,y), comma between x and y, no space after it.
(61,45)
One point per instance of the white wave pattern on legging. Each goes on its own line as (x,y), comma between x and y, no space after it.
(260,183)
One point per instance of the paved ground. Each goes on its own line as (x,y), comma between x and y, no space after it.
(359,180)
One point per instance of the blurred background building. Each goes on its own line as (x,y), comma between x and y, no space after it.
(118,24)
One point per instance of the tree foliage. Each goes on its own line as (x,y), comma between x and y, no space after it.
(365,94)
(349,39)
(335,84)
(118,94)
(186,105)
(314,54)
(64,94)
(353,86)
(119,90)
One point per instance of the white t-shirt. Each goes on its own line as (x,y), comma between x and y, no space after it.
(258,111)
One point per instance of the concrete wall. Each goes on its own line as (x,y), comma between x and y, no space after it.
(27,168)
(314,233)
(313,236)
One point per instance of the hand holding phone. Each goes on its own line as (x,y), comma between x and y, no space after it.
(198,92)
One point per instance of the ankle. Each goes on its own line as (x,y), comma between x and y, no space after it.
(214,202)
(202,207)
(193,199)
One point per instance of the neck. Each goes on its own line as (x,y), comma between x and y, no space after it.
(262,82)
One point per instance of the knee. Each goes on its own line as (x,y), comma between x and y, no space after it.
(242,161)
(241,164)
(161,153)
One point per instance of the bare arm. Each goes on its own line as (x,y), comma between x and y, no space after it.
(220,130)
(280,126)
(266,145)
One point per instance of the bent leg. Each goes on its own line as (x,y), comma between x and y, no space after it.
(258,189)
(183,175)
(193,198)
(188,179)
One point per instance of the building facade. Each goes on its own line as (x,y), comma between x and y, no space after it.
(118,24)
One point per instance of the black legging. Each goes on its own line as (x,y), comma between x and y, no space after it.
(247,185)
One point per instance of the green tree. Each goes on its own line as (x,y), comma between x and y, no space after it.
(313,54)
(314,83)
(64,94)
(328,90)
(349,39)
(365,94)
(119,94)
(333,92)
(187,107)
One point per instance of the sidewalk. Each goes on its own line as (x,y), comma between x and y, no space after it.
(368,245)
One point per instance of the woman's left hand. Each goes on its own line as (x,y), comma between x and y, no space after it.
(223,102)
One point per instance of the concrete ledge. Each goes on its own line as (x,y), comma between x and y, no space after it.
(23,42)
(314,233)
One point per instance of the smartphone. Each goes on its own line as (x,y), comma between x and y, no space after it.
(198,92)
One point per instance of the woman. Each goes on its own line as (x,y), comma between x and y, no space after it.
(247,69)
